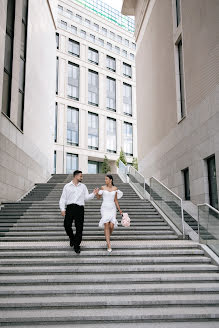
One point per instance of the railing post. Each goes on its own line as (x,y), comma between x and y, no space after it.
(198,225)
(183,223)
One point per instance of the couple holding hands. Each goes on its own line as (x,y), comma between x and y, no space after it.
(72,203)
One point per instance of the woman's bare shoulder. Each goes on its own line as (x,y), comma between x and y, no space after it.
(102,187)
(115,188)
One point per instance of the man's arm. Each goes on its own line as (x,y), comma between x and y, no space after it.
(88,196)
(62,201)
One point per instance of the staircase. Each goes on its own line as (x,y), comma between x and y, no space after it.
(151,279)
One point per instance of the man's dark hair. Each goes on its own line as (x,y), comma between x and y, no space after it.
(76,173)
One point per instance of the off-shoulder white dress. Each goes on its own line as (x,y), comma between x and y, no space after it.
(108,207)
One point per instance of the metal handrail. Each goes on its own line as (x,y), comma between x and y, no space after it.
(180,199)
(209,206)
(132,168)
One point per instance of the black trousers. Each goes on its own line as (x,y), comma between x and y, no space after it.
(75,213)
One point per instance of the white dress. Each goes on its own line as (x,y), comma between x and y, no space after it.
(108,207)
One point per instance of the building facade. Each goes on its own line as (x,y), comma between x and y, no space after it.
(95,90)
(27,94)
(177,76)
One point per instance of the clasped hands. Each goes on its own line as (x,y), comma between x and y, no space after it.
(95,191)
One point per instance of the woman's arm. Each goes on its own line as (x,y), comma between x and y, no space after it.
(117,203)
(99,196)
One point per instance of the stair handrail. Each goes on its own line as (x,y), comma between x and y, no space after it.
(123,170)
(135,172)
(175,195)
(208,223)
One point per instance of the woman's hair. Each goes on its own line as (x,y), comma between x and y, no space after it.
(110,177)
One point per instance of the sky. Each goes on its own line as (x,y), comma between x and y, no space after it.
(117,4)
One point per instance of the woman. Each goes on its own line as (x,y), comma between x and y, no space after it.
(110,194)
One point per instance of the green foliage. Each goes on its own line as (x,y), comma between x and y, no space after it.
(135,163)
(121,158)
(105,166)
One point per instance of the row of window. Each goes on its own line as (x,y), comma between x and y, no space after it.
(78,18)
(92,38)
(73,83)
(8,61)
(93,56)
(93,131)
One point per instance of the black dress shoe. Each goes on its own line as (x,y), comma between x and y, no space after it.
(71,243)
(77,249)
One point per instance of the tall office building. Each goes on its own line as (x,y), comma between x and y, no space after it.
(95,90)
(27,88)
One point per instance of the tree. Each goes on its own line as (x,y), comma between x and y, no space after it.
(135,163)
(121,158)
(105,166)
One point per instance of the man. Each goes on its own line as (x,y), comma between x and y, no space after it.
(73,198)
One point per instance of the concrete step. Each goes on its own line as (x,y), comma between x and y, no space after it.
(110,278)
(106,260)
(111,267)
(109,301)
(124,314)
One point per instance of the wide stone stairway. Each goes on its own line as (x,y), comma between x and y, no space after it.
(151,279)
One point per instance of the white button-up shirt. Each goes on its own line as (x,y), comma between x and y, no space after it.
(73,194)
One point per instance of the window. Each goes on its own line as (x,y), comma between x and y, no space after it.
(186,183)
(54,162)
(94,167)
(93,88)
(178,12)
(126,42)
(56,119)
(119,38)
(23,46)
(93,131)
(112,35)
(83,34)
(133,45)
(87,22)
(60,9)
(109,45)
(57,75)
(127,99)
(74,48)
(78,18)
(63,25)
(72,126)
(111,93)
(181,79)
(124,53)
(69,13)
(101,42)
(127,70)
(111,63)
(132,56)
(93,56)
(117,50)
(96,27)
(57,40)
(111,135)
(73,81)
(212,181)
(8,58)
(74,29)
(92,38)
(71,163)
(104,31)
(128,136)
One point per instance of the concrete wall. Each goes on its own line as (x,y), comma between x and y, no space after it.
(26,157)
(167,145)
